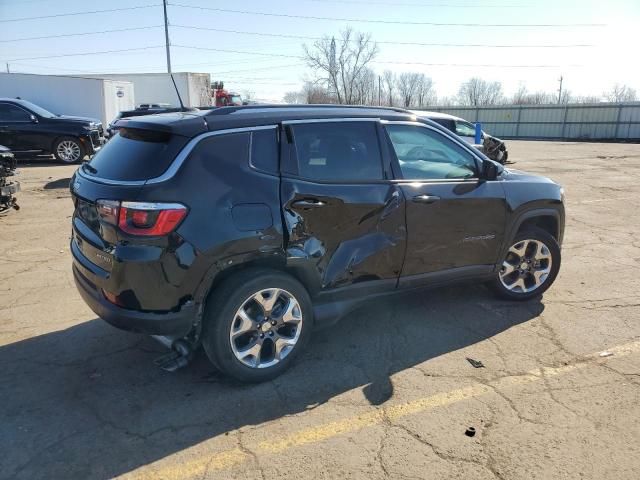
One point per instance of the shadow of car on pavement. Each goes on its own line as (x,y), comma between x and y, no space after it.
(87,401)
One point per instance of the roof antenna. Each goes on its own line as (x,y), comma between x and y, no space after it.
(167,44)
(177,93)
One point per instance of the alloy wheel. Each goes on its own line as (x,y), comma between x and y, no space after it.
(68,151)
(526,266)
(266,328)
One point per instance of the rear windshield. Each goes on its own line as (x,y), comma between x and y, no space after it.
(135,154)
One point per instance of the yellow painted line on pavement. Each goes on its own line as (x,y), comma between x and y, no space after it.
(196,467)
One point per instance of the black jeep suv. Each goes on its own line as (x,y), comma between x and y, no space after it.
(26,128)
(240,228)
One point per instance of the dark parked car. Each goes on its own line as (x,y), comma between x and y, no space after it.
(241,228)
(28,129)
(492,147)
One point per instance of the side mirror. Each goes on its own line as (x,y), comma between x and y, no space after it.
(491,170)
(34,119)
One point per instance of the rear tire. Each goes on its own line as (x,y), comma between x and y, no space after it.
(69,150)
(530,266)
(256,323)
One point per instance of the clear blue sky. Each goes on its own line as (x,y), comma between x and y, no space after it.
(587,70)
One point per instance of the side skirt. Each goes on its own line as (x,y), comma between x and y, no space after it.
(330,306)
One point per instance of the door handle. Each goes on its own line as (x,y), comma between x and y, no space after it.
(309,203)
(426,198)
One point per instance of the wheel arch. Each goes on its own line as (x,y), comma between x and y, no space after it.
(216,275)
(550,220)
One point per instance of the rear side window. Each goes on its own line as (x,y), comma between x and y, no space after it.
(136,154)
(446,123)
(11,113)
(338,151)
(264,150)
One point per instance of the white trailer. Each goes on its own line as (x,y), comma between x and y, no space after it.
(69,95)
(194,88)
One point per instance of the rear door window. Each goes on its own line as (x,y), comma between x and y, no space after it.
(338,151)
(11,113)
(136,154)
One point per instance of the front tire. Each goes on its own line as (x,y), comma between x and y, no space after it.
(256,323)
(69,150)
(530,266)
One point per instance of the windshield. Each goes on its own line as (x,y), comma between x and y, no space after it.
(37,110)
(236,100)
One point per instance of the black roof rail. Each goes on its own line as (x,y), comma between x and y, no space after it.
(231,109)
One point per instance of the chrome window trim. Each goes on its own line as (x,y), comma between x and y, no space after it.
(178,161)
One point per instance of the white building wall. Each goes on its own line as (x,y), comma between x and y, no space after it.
(67,95)
(194,88)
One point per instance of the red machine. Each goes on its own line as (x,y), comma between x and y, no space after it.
(222,97)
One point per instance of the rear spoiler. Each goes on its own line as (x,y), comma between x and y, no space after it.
(188,124)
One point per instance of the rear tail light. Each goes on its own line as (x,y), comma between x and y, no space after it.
(108,211)
(142,218)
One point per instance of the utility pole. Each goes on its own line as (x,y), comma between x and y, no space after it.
(560,90)
(333,83)
(8,71)
(379,90)
(166,36)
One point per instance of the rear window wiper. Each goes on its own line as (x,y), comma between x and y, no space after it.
(88,167)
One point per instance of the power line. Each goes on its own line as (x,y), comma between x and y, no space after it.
(77,13)
(79,34)
(272,67)
(492,65)
(391,62)
(88,53)
(420,5)
(243,52)
(302,37)
(394,22)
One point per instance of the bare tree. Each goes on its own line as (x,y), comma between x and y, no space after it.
(621,93)
(340,62)
(477,92)
(425,93)
(565,98)
(407,87)
(292,97)
(521,96)
(366,88)
(314,93)
(389,79)
(587,99)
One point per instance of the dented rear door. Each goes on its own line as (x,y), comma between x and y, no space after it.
(345,220)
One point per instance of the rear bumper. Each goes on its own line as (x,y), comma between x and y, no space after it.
(174,323)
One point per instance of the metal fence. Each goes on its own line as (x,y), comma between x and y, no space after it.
(596,121)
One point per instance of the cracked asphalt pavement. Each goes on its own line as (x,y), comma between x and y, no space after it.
(387,393)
